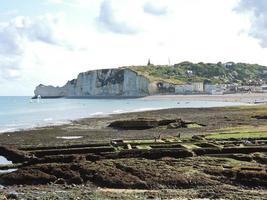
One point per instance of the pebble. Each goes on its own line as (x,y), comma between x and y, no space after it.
(3,197)
(12,195)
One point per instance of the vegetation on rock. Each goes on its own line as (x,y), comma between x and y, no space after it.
(187,72)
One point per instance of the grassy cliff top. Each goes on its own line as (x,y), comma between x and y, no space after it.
(219,73)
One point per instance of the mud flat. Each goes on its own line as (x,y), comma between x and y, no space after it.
(174,153)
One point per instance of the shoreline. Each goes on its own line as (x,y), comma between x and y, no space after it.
(95,129)
(104,115)
(245,99)
(236,97)
(250,98)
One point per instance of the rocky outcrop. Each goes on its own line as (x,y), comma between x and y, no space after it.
(13,154)
(145,123)
(121,82)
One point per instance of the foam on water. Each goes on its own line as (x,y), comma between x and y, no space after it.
(18,113)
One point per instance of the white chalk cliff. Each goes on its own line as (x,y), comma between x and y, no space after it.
(121,82)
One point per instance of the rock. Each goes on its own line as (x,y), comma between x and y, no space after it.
(198,137)
(76,180)
(12,195)
(146,123)
(178,123)
(27,176)
(175,125)
(100,83)
(3,197)
(135,124)
(260,117)
(60,181)
(13,154)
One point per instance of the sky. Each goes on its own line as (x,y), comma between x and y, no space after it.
(51,41)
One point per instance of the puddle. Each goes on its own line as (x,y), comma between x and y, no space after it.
(7,171)
(69,137)
(4,161)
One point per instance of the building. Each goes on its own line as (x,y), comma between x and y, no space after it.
(184,89)
(215,89)
(196,87)
(264,88)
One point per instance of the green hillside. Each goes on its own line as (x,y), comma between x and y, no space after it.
(187,72)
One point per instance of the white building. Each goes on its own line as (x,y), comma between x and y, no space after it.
(196,87)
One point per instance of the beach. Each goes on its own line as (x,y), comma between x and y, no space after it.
(250,98)
(167,142)
(17,113)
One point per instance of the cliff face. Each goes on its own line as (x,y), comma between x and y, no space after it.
(100,83)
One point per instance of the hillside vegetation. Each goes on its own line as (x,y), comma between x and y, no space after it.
(219,73)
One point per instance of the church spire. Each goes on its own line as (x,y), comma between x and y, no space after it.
(148,63)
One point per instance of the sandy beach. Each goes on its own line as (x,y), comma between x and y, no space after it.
(240,97)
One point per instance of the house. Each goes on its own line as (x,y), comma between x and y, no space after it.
(229,64)
(189,73)
(196,87)
(184,89)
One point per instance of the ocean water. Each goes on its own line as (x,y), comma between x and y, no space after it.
(22,113)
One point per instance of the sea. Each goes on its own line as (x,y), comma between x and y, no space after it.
(22,112)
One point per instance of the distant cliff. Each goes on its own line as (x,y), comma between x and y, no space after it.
(138,81)
(121,82)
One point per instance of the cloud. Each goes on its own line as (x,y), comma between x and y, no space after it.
(257,11)
(16,34)
(11,41)
(155,9)
(9,67)
(9,12)
(108,21)
(56,1)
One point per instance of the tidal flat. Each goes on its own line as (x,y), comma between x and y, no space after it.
(183,153)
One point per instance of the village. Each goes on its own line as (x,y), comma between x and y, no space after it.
(219,89)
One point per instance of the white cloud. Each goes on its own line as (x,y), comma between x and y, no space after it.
(9,67)
(9,13)
(108,21)
(56,1)
(155,8)
(257,10)
(19,33)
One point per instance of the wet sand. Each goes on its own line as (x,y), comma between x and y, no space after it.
(165,177)
(240,97)
(97,130)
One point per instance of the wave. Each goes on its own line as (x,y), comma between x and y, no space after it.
(119,111)
(98,114)
(146,109)
(5,130)
(48,119)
